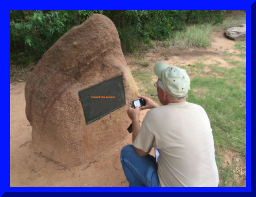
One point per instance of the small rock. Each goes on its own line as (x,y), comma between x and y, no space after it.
(236,33)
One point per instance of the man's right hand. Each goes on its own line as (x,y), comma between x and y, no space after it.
(149,103)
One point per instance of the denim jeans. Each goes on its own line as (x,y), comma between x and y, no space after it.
(139,171)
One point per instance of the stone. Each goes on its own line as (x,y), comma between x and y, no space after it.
(236,33)
(85,56)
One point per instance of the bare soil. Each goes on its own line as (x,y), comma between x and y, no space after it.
(28,169)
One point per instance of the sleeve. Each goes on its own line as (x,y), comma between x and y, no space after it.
(145,137)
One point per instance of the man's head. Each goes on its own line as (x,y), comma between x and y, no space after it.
(173,83)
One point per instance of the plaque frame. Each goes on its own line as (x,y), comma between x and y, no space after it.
(101,99)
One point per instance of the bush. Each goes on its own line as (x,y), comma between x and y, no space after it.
(200,16)
(33,32)
(130,40)
(137,27)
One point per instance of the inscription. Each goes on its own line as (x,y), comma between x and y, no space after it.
(102,99)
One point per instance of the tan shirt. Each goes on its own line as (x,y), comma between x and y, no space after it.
(183,136)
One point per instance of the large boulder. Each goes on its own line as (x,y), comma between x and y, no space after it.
(86,55)
(236,33)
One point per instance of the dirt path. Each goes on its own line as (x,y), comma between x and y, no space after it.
(174,56)
(31,170)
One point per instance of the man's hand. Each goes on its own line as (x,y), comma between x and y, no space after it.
(133,113)
(149,103)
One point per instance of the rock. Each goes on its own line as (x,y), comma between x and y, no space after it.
(236,33)
(86,55)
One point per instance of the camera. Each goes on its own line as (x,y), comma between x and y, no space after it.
(140,102)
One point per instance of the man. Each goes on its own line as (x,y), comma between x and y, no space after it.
(180,131)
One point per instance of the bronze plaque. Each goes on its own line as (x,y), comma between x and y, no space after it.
(101,99)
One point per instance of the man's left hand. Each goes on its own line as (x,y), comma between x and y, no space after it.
(133,113)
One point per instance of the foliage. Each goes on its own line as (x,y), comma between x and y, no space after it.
(193,36)
(136,26)
(139,26)
(33,32)
(200,16)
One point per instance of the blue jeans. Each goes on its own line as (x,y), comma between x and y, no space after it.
(139,171)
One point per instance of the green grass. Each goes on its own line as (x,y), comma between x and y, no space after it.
(227,178)
(225,104)
(193,36)
(235,76)
(241,46)
(237,63)
(145,64)
(228,54)
(241,55)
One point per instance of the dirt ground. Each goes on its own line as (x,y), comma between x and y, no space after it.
(28,169)
(32,170)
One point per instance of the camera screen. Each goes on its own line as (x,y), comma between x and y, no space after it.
(137,103)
